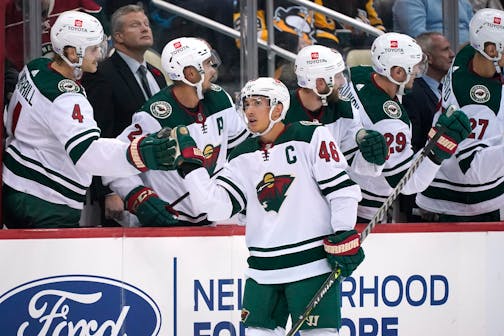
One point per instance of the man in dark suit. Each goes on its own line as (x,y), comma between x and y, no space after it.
(120,87)
(422,102)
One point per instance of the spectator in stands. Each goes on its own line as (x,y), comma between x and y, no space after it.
(117,90)
(479,4)
(53,142)
(51,9)
(423,100)
(413,17)
(470,185)
(362,10)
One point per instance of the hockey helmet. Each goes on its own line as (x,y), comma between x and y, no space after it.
(268,87)
(487,25)
(78,30)
(394,49)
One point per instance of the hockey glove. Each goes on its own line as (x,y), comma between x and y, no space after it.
(372,145)
(154,151)
(149,208)
(457,127)
(344,251)
(188,157)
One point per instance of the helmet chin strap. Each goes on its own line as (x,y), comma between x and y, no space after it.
(198,85)
(76,67)
(402,85)
(270,126)
(323,96)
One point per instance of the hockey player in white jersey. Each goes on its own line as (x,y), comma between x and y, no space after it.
(397,61)
(194,101)
(300,208)
(320,74)
(53,144)
(470,185)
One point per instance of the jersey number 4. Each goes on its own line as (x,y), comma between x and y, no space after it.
(76,113)
(326,152)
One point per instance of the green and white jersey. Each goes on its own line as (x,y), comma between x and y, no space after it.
(343,121)
(295,192)
(471,182)
(387,116)
(53,145)
(216,127)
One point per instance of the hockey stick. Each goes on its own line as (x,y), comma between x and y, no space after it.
(331,279)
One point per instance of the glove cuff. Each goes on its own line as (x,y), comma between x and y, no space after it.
(134,156)
(348,246)
(444,143)
(138,196)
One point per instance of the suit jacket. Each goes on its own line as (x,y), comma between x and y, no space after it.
(115,95)
(421,104)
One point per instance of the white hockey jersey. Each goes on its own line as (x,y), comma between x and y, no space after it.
(53,146)
(216,127)
(471,182)
(388,117)
(295,192)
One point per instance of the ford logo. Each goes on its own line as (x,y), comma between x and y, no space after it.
(78,305)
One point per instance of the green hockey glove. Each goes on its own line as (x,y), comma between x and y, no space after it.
(187,155)
(149,208)
(344,251)
(154,151)
(457,127)
(372,145)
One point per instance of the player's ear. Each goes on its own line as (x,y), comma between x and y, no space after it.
(277,111)
(71,54)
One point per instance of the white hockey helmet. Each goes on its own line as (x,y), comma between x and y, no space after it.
(183,52)
(78,30)
(316,61)
(268,87)
(487,25)
(394,49)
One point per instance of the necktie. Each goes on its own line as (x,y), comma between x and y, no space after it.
(142,71)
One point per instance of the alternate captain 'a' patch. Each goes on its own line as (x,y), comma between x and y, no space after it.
(271,191)
(161,109)
(480,94)
(392,109)
(67,85)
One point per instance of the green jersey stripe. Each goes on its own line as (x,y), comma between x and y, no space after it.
(284,247)
(344,184)
(79,149)
(75,138)
(233,189)
(48,170)
(288,260)
(464,197)
(33,175)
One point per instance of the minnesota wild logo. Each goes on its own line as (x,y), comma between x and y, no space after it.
(271,191)
(211,154)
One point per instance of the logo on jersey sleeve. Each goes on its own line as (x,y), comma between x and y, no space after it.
(161,109)
(211,155)
(272,191)
(215,87)
(480,94)
(392,109)
(67,85)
